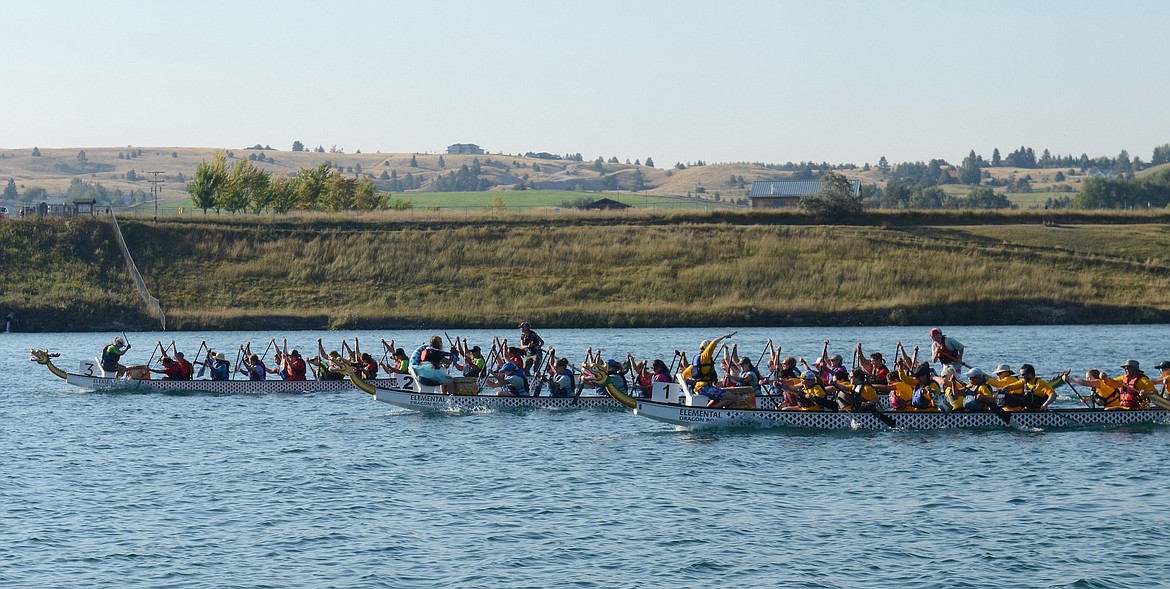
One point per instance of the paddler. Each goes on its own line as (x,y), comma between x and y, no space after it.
(1029,392)
(810,395)
(1135,387)
(701,372)
(112,357)
(859,395)
(977,395)
(1105,390)
(946,350)
(1164,366)
(171,369)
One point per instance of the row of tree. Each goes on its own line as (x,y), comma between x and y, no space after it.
(246,188)
(1150,191)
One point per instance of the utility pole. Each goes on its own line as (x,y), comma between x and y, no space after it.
(154,190)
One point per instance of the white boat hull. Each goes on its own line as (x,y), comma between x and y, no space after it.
(99,383)
(822,420)
(424,401)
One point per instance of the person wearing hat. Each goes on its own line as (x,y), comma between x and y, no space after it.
(218,364)
(1136,387)
(1164,366)
(977,394)
(1004,376)
(512,382)
(112,357)
(1030,392)
(533,345)
(701,371)
(946,350)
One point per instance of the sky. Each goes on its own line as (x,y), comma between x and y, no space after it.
(677,81)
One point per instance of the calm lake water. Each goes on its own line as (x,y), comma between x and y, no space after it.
(337,490)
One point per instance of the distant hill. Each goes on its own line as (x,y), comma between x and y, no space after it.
(55,168)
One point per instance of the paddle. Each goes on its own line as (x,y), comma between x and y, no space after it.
(1091,402)
(581,380)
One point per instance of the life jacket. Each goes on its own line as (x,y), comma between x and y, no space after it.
(370,370)
(1113,397)
(1026,398)
(923,399)
(110,356)
(1131,398)
(432,355)
(475,366)
(220,370)
(188,369)
(854,398)
(972,395)
(296,369)
(947,355)
(254,374)
(519,391)
(703,371)
(759,379)
(572,382)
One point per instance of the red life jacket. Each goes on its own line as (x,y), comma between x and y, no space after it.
(947,355)
(1131,398)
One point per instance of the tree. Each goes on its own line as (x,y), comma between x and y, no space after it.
(365,197)
(835,199)
(10,192)
(969,169)
(81,158)
(132,175)
(649,163)
(985,198)
(883,165)
(36,152)
(639,182)
(442,163)
(244,184)
(1161,155)
(1059,177)
(413,161)
(996,160)
(384,176)
(1121,165)
(34,194)
(174,154)
(209,179)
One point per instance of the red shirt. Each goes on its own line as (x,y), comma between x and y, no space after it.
(296,368)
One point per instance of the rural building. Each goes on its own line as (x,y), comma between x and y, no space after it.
(464,149)
(766,194)
(606,204)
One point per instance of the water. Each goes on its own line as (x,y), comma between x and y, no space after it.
(336,490)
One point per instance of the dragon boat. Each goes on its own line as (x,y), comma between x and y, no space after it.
(91,377)
(408,392)
(676,404)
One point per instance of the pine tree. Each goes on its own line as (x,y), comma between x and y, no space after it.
(10,192)
(36,152)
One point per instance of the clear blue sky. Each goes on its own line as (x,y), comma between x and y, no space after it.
(676,81)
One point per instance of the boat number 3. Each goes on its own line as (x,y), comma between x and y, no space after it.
(87,368)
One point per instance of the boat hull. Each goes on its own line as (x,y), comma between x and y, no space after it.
(99,383)
(421,401)
(821,420)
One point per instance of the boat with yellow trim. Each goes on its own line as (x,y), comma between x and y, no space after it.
(676,404)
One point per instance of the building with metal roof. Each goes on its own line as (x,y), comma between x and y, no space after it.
(787,193)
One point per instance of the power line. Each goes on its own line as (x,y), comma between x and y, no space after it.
(155,189)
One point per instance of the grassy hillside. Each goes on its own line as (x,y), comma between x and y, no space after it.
(65,276)
(587,269)
(678,270)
